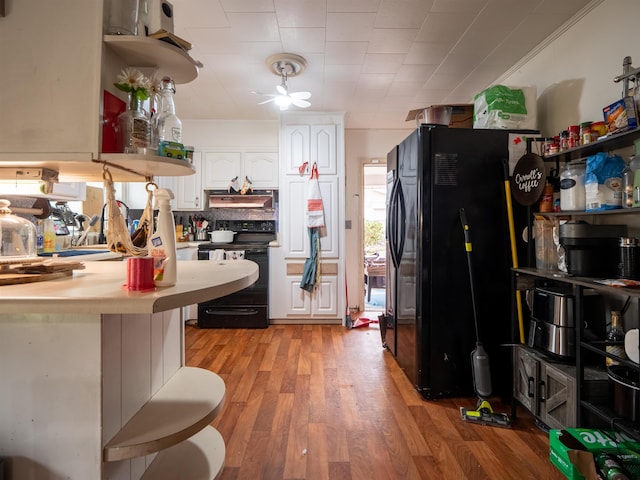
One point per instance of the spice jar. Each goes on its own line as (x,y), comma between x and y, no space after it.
(598,129)
(564,140)
(546,200)
(585,133)
(574,136)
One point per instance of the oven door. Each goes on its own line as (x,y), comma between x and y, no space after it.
(247,308)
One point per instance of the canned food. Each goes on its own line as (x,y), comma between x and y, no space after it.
(585,133)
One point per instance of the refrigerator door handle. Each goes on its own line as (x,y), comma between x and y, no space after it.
(392,223)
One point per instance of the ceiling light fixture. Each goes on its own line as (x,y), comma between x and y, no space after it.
(286,65)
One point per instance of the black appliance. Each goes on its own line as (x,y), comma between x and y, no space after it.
(433,173)
(247,308)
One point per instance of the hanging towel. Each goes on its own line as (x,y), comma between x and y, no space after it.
(315,209)
(311,272)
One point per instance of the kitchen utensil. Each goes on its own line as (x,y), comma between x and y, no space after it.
(631,345)
(222,236)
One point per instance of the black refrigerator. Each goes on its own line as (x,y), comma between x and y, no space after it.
(429,318)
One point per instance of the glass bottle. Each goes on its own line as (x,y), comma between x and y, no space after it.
(169,125)
(615,339)
(628,179)
(134,128)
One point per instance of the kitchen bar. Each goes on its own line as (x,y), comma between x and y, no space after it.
(82,358)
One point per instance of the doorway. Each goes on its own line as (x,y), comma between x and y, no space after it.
(374,228)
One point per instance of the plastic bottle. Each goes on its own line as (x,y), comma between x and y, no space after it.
(628,179)
(169,125)
(572,191)
(49,236)
(615,339)
(162,243)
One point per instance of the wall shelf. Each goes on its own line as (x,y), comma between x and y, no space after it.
(145,52)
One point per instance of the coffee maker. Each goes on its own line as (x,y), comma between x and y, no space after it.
(552,327)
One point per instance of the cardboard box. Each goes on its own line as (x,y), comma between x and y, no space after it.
(620,116)
(572,451)
(461,115)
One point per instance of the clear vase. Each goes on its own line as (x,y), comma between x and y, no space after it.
(134,127)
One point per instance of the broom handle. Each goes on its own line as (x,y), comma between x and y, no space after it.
(514,252)
(468,247)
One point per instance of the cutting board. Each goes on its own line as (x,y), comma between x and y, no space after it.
(16,278)
(41,272)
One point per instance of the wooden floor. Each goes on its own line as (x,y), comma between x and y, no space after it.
(325,402)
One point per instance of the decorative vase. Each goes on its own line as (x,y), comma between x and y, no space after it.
(134,127)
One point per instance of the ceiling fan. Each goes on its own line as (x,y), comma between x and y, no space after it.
(286,65)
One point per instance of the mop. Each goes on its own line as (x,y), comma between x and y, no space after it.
(480,370)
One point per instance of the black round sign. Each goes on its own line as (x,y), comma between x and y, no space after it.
(528,179)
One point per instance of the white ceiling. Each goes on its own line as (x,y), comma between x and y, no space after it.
(373,59)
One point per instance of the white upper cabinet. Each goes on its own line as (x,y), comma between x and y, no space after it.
(220,168)
(55,68)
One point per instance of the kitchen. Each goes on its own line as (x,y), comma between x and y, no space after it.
(562,100)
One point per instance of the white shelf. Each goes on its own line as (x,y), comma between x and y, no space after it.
(145,52)
(148,165)
(186,404)
(198,458)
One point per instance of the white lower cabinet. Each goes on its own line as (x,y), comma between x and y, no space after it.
(322,303)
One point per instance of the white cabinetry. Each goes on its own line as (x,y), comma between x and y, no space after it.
(187,190)
(308,137)
(220,167)
(58,124)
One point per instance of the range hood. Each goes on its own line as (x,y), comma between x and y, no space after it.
(255,199)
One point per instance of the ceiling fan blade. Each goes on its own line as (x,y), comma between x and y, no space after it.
(281,89)
(300,103)
(300,95)
(267,101)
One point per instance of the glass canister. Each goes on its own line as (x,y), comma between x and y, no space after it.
(17,235)
(572,191)
(545,247)
(628,265)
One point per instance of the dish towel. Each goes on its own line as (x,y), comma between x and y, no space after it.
(315,220)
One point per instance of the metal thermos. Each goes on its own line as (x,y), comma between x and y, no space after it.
(628,266)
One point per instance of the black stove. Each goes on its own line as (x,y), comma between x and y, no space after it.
(249,234)
(248,308)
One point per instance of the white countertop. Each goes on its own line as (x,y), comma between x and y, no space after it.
(99,288)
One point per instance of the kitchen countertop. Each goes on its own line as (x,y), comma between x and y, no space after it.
(99,288)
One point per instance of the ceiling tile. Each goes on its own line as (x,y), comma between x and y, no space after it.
(381,63)
(345,53)
(424,53)
(303,40)
(246,5)
(414,73)
(198,13)
(444,27)
(391,40)
(402,13)
(258,27)
(352,5)
(301,13)
(349,27)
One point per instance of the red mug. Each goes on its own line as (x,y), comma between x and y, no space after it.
(140,273)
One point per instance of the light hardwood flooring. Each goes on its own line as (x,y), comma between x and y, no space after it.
(324,402)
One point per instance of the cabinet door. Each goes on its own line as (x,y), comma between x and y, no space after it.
(323,149)
(294,220)
(261,168)
(324,302)
(525,382)
(295,146)
(299,301)
(170,183)
(557,397)
(189,188)
(219,168)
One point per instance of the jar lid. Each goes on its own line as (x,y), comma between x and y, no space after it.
(585,124)
(574,128)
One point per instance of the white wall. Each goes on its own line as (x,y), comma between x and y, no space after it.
(230,133)
(574,73)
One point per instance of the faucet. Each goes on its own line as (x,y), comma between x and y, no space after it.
(102,238)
